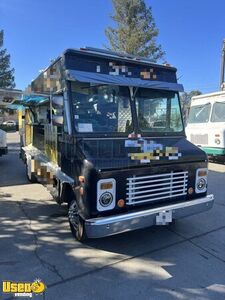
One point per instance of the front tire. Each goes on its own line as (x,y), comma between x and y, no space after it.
(76,222)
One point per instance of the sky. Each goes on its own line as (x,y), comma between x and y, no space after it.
(191,33)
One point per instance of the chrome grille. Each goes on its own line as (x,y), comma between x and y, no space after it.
(199,139)
(141,189)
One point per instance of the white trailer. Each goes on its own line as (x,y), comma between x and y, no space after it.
(206,123)
(7,97)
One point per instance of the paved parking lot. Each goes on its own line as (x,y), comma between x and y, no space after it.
(183,261)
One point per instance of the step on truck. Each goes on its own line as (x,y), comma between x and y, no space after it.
(104,131)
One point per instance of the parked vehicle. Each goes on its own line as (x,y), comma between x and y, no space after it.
(206,123)
(7,99)
(9,123)
(3,143)
(104,131)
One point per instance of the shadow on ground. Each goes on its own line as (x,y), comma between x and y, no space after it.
(36,242)
(183,261)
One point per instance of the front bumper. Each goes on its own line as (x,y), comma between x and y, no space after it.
(106,226)
(3,150)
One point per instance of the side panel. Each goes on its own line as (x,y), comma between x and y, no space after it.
(50,142)
(51,80)
(28,129)
(115,66)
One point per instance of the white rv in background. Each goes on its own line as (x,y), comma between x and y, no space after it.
(206,123)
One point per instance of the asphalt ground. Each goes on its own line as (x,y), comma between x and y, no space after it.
(185,260)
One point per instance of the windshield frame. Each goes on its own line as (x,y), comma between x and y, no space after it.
(134,115)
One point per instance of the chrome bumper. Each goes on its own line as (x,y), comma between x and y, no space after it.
(105,226)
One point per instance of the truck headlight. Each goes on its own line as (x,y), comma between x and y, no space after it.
(201,180)
(201,184)
(106,199)
(106,194)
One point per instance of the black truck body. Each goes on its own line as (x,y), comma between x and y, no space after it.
(105,131)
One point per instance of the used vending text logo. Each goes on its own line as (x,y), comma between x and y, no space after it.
(23,289)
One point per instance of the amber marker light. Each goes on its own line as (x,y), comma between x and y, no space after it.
(81,179)
(121,203)
(106,186)
(190,191)
(202,173)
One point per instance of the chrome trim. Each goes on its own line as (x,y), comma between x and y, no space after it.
(146,186)
(145,191)
(106,226)
(157,198)
(155,194)
(157,175)
(152,187)
(148,181)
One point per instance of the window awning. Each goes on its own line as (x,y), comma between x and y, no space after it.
(122,81)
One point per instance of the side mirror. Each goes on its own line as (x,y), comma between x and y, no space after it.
(57,120)
(57,110)
(57,101)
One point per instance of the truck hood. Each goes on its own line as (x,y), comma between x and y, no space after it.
(106,154)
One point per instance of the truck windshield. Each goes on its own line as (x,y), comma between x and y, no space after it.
(101,108)
(199,113)
(158,111)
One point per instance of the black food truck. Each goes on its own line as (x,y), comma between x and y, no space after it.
(104,132)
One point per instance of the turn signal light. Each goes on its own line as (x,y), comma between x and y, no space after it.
(202,173)
(81,179)
(121,203)
(190,191)
(106,186)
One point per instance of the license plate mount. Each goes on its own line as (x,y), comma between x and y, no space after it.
(164,217)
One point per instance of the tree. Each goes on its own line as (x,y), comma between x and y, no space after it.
(135,32)
(6,73)
(186,102)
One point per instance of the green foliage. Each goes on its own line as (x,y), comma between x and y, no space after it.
(6,73)
(135,32)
